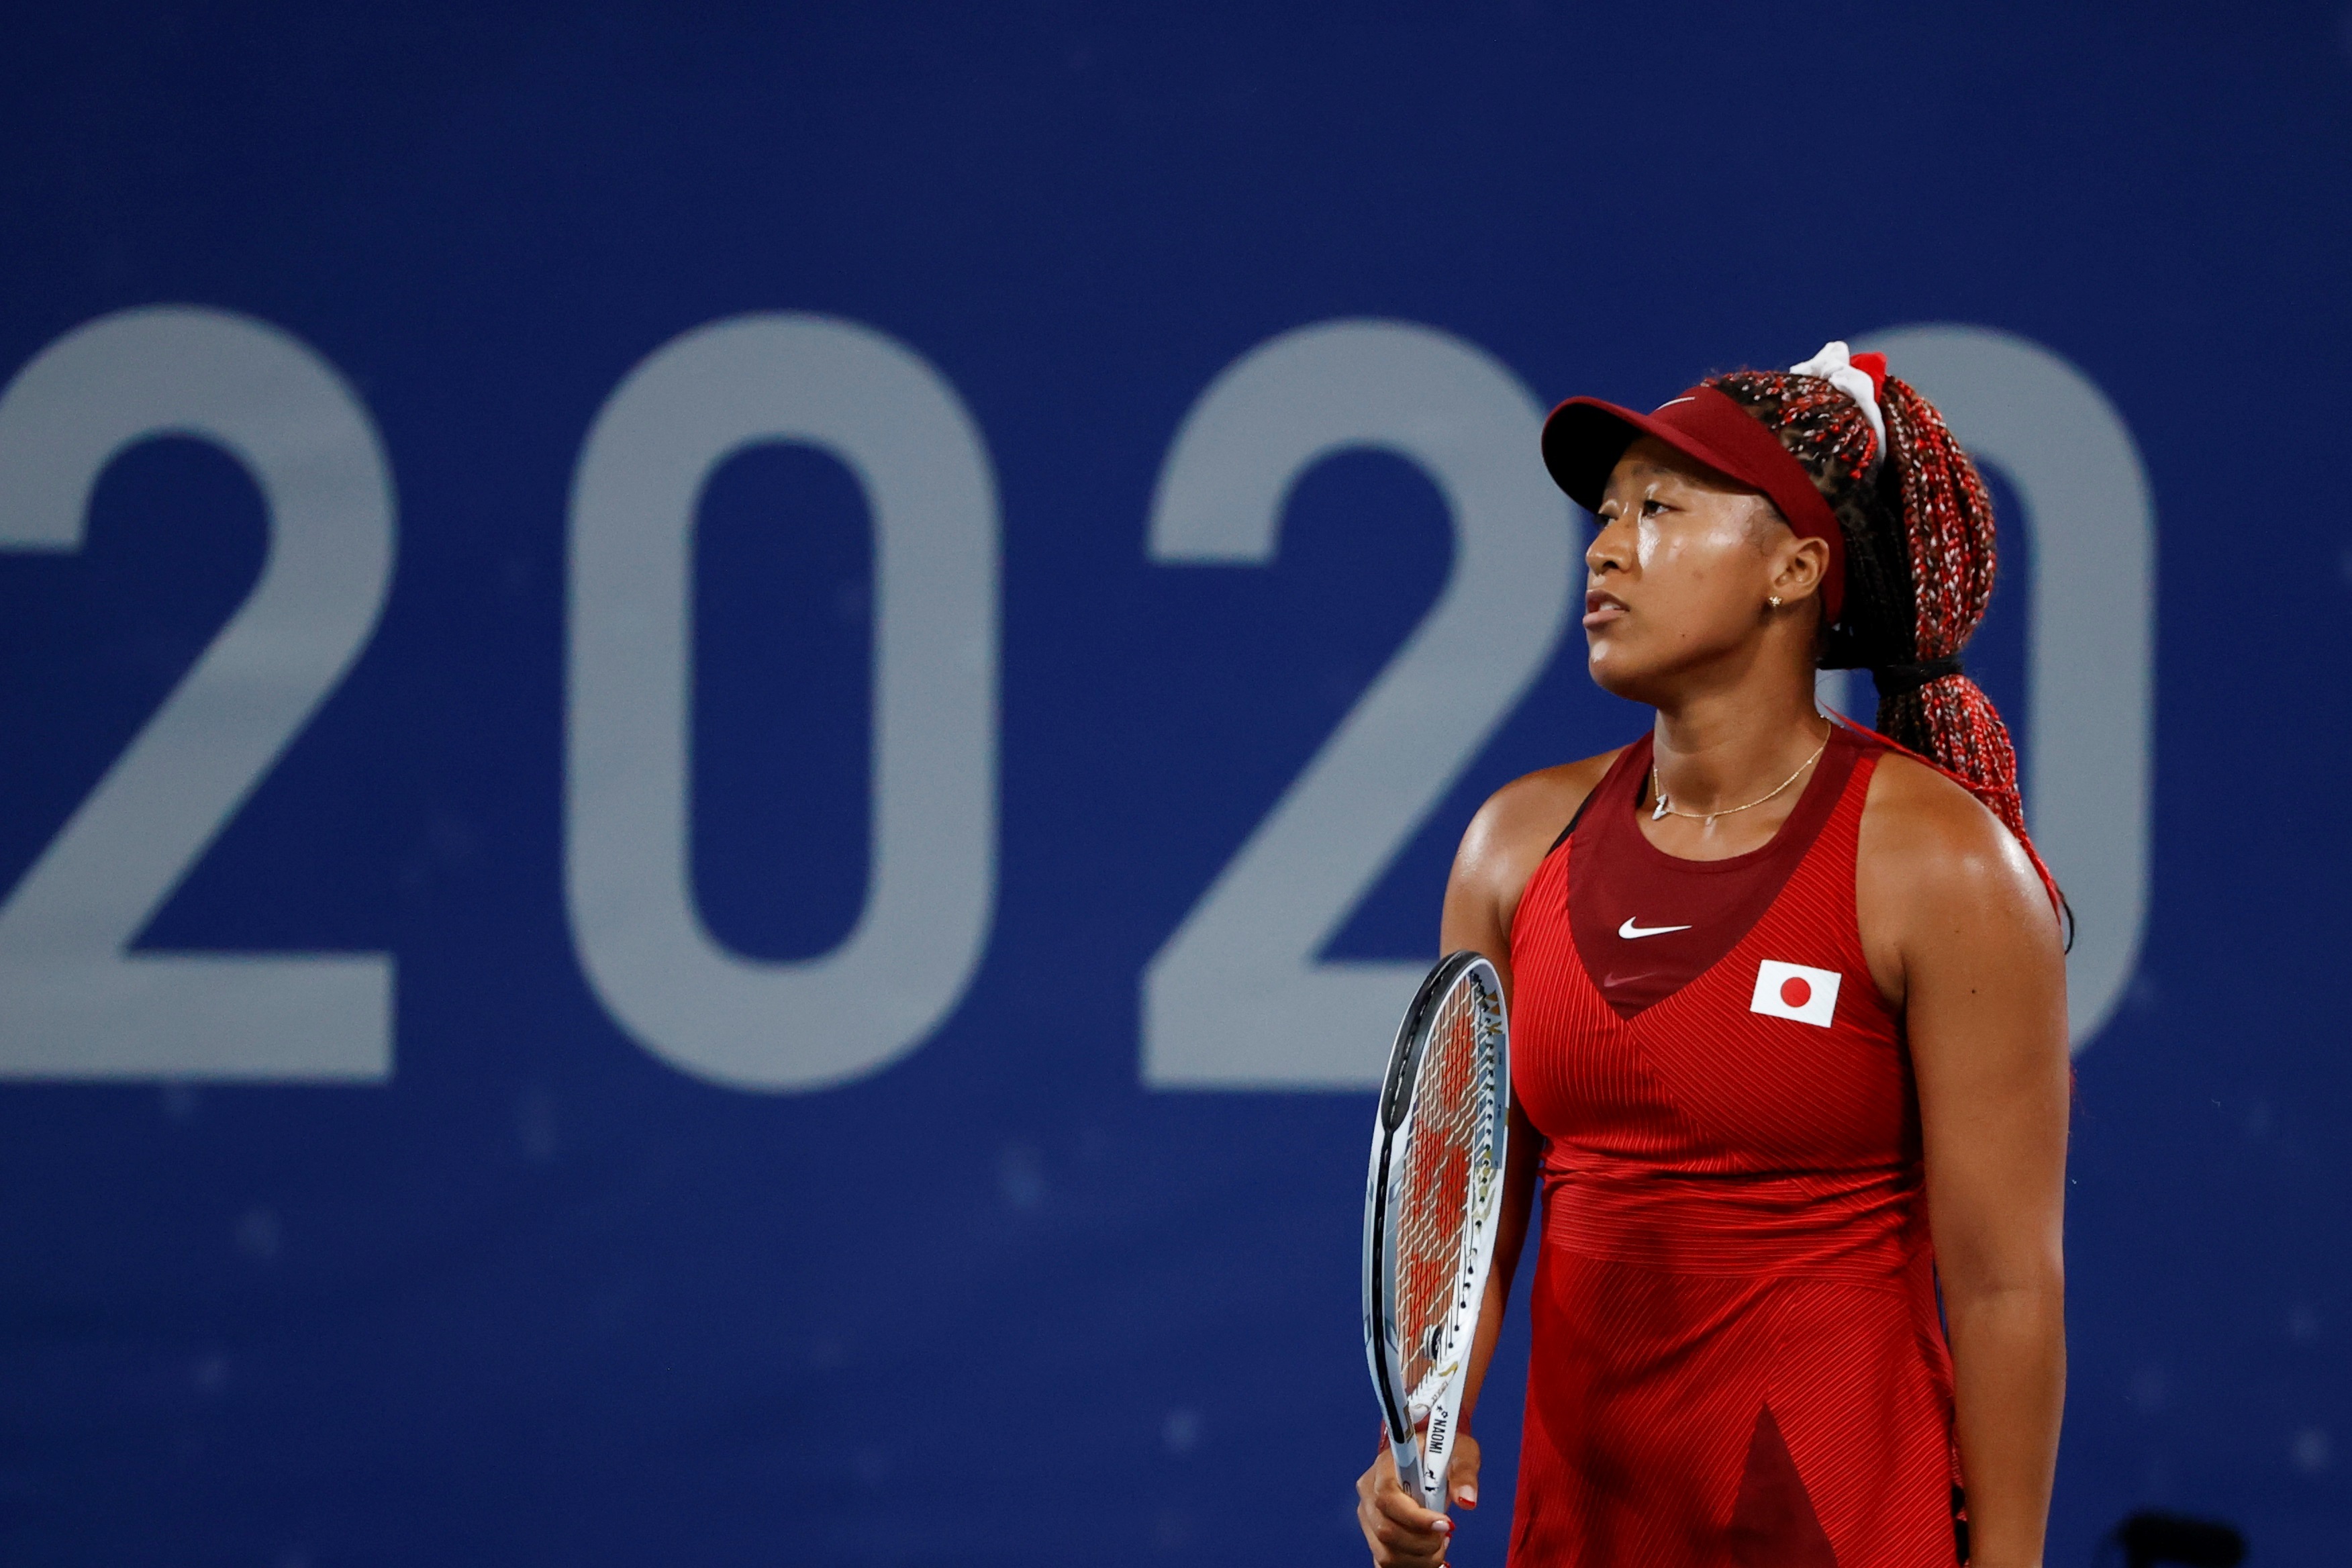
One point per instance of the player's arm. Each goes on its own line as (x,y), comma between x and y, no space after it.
(1501,849)
(1962,935)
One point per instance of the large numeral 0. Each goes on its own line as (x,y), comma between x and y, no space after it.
(1238,997)
(932,884)
(2091,643)
(74,1003)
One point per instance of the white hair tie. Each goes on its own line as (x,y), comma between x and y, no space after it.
(1858,378)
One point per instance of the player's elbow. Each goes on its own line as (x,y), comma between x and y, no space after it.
(2028,1274)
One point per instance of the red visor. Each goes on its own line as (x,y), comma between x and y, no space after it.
(1585,436)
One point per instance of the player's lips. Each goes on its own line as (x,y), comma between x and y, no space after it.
(1600,608)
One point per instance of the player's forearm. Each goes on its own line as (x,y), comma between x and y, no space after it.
(2009,1365)
(1482,1347)
(1510,1236)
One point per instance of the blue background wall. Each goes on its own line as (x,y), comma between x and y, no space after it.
(534,1294)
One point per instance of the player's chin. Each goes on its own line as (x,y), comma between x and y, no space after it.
(1617,666)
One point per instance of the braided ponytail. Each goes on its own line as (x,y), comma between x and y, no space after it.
(1919,565)
(1945,517)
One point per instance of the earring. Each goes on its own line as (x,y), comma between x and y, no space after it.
(1774,601)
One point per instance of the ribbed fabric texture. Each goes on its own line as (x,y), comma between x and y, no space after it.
(1735,1269)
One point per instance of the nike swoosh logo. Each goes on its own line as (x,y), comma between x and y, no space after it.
(1629,931)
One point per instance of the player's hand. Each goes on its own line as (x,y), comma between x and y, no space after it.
(1400,1533)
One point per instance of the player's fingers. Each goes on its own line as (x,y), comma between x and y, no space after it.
(1400,1530)
(1394,1546)
(1393,1543)
(1462,1477)
(1401,1508)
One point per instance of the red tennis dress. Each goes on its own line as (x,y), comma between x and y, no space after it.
(1737,1357)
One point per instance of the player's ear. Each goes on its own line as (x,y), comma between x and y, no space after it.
(1803,564)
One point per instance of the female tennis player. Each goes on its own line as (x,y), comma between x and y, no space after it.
(1789,1021)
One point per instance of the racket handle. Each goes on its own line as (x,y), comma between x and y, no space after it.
(1414,1478)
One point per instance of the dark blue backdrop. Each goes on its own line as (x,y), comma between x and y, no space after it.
(528,1292)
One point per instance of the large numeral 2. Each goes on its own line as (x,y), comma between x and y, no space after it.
(73,1002)
(1238,997)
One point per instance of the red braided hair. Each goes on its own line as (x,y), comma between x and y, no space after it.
(1920,556)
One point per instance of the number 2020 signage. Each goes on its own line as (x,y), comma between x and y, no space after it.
(1238,996)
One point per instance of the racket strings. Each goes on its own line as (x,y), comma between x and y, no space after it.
(1453,1112)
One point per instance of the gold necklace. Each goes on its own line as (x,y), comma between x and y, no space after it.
(1666,808)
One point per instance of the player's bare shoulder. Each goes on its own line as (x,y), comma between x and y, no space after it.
(1510,835)
(1933,855)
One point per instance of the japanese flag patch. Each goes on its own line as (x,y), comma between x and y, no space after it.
(1793,991)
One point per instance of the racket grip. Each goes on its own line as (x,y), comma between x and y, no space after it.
(1412,1475)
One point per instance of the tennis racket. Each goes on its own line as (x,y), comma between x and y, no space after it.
(1431,1205)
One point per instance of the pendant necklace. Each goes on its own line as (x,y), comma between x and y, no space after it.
(1666,807)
